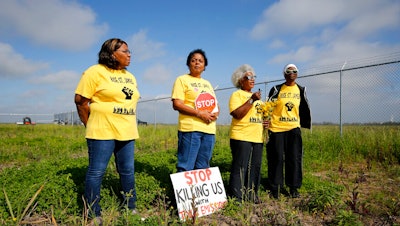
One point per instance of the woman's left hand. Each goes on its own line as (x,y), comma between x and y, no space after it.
(207,117)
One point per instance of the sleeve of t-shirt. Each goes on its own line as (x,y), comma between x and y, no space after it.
(87,85)
(235,101)
(178,90)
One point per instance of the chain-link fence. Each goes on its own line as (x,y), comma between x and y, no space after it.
(65,118)
(18,118)
(347,93)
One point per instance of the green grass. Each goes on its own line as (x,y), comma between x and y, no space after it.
(350,178)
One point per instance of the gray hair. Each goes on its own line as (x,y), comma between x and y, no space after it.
(239,72)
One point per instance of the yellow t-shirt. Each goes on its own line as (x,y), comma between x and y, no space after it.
(285,115)
(113,98)
(250,127)
(189,89)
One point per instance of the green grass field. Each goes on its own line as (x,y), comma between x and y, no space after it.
(348,180)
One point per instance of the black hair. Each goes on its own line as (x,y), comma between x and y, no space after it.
(106,52)
(200,51)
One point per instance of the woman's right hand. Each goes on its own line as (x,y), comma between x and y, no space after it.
(266,124)
(82,106)
(256,96)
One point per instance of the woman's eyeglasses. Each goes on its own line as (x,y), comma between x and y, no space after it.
(289,72)
(250,77)
(125,51)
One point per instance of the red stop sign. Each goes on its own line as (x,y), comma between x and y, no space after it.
(205,101)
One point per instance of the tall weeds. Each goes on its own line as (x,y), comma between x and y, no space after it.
(55,155)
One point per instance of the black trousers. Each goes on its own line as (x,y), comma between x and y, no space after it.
(245,174)
(285,151)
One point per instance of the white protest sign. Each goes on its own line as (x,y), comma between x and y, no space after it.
(202,188)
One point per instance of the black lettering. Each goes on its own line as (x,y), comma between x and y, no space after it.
(124,111)
(129,81)
(181,196)
(216,188)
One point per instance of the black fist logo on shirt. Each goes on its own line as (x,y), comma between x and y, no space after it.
(128,93)
(289,106)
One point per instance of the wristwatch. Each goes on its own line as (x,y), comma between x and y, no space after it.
(250,101)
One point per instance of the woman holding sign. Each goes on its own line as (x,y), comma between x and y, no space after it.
(246,136)
(194,98)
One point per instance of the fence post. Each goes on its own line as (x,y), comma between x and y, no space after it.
(340,100)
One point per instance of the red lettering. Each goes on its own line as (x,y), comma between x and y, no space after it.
(202,176)
(197,176)
(212,207)
(208,172)
(186,214)
(189,179)
(205,209)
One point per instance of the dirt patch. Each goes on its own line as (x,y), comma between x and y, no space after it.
(370,196)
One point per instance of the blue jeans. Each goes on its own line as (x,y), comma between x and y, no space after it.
(194,150)
(100,152)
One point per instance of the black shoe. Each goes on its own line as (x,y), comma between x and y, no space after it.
(294,193)
(285,192)
(274,194)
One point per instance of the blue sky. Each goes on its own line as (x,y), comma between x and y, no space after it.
(46,45)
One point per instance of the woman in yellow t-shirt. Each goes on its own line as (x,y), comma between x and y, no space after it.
(106,98)
(246,136)
(194,98)
(285,144)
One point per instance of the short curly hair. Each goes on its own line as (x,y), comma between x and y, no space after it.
(199,51)
(239,72)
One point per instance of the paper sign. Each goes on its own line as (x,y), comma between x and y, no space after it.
(198,192)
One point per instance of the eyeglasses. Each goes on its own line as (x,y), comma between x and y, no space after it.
(125,51)
(250,77)
(289,72)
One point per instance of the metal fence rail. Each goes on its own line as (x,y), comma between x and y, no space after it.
(346,95)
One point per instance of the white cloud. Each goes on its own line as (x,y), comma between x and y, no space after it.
(157,74)
(65,80)
(143,48)
(28,94)
(303,54)
(293,17)
(373,16)
(287,17)
(276,44)
(329,31)
(14,65)
(59,24)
